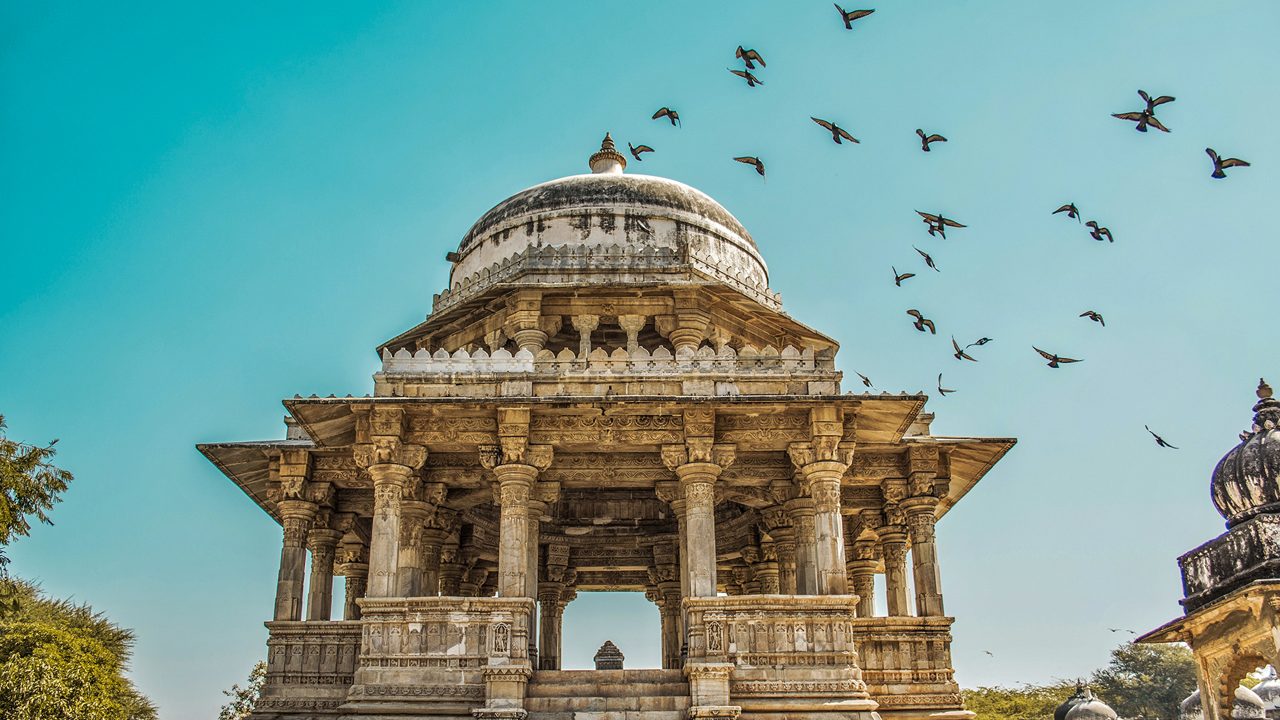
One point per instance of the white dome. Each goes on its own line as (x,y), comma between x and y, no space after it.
(606,210)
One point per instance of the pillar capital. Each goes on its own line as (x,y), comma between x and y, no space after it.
(698,452)
(386,451)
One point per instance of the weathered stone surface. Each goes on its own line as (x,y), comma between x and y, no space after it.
(609,397)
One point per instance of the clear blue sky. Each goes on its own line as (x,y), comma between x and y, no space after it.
(206,209)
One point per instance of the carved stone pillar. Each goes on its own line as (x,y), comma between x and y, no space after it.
(549,608)
(862,575)
(413,513)
(697,465)
(690,323)
(433,540)
(537,509)
(632,325)
(585,324)
(821,463)
(924,555)
(766,570)
(524,320)
(450,571)
(296,517)
(392,466)
(357,581)
(801,512)
(893,546)
(514,485)
(354,566)
(777,524)
(323,544)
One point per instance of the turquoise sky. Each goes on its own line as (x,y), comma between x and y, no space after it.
(209,208)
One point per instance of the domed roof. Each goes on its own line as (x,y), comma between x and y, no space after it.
(1269,689)
(1191,709)
(1080,695)
(1091,709)
(1246,481)
(609,209)
(1247,706)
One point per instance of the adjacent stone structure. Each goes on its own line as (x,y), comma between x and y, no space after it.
(1232,583)
(609,657)
(609,397)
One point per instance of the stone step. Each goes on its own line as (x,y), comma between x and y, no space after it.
(607,690)
(631,703)
(610,715)
(607,684)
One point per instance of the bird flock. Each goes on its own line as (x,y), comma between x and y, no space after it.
(753,66)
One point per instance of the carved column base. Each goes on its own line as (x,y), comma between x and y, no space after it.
(716,712)
(504,692)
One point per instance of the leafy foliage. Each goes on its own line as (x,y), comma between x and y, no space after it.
(1147,681)
(1141,681)
(59,659)
(29,486)
(244,698)
(1030,702)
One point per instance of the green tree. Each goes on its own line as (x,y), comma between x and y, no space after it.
(60,659)
(1147,681)
(244,698)
(29,486)
(1029,702)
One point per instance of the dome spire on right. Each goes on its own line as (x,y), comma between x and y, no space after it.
(1246,481)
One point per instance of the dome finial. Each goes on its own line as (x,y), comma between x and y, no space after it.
(1264,390)
(607,160)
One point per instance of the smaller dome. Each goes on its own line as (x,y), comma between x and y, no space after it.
(1247,706)
(1080,695)
(1092,709)
(1246,481)
(1191,709)
(1269,689)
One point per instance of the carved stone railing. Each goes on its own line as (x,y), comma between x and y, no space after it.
(310,666)
(906,664)
(745,360)
(784,653)
(1247,552)
(580,264)
(440,655)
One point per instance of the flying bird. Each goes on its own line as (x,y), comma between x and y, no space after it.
(1070,209)
(941,390)
(750,160)
(1221,163)
(644,225)
(637,149)
(749,57)
(836,131)
(960,352)
(979,342)
(988,652)
(1151,102)
(752,80)
(928,259)
(938,224)
(1131,632)
(1144,119)
(926,139)
(850,16)
(899,277)
(669,114)
(1094,316)
(865,380)
(1097,233)
(1159,440)
(922,322)
(1054,360)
